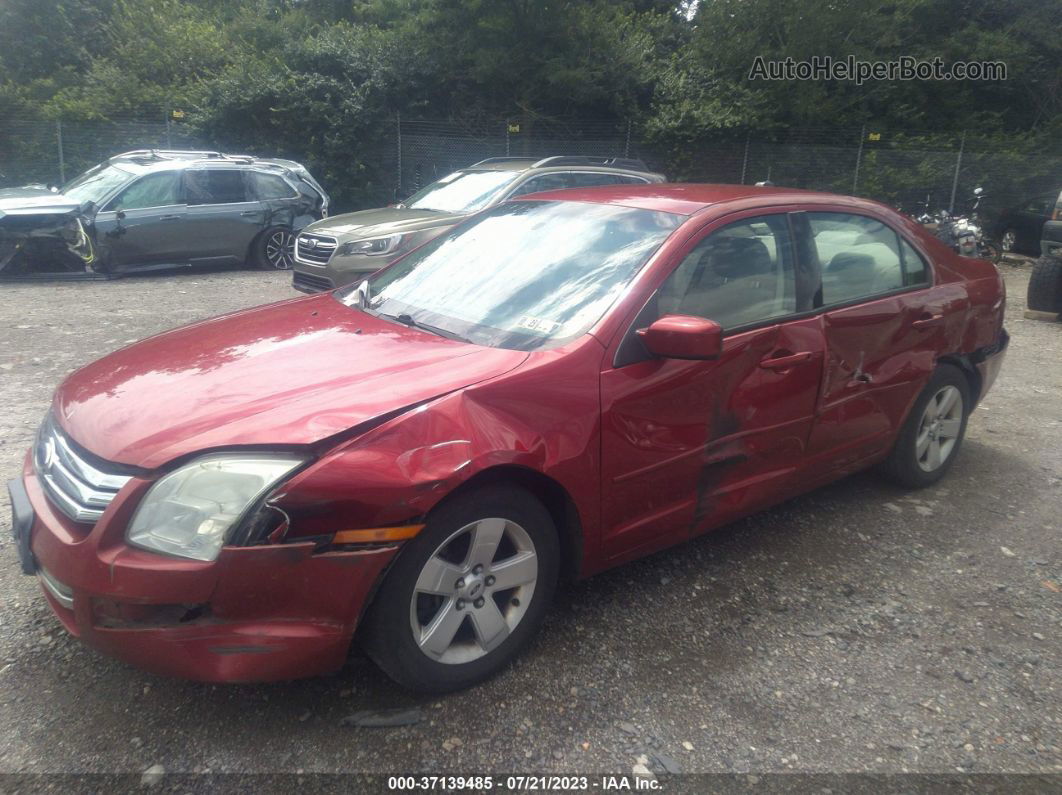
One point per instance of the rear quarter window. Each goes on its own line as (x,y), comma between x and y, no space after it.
(915,270)
(271,186)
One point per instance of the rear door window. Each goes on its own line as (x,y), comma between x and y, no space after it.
(860,256)
(543,182)
(215,186)
(589,180)
(1041,205)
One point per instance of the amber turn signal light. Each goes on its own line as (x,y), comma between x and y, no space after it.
(376,535)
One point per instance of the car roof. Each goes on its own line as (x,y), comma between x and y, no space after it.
(562,163)
(146,160)
(690,198)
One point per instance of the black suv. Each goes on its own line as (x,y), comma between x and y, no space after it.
(1045,283)
(157,209)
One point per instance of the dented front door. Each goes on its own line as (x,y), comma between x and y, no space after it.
(688,445)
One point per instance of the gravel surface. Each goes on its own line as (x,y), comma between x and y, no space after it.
(859,628)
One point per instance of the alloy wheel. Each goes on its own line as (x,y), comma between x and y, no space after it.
(473,591)
(939,430)
(280,250)
(1007,242)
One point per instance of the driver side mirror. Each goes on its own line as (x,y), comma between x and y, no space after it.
(683,337)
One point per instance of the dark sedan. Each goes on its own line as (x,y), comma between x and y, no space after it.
(1019,228)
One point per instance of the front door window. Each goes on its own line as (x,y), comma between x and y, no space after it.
(153,190)
(739,275)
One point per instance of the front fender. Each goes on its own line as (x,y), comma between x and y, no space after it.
(543,417)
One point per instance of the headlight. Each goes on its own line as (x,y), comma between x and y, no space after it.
(190,511)
(376,245)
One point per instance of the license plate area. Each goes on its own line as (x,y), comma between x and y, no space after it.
(22,518)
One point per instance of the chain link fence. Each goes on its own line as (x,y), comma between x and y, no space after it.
(52,152)
(908,168)
(430,149)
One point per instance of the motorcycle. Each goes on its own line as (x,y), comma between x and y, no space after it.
(965,234)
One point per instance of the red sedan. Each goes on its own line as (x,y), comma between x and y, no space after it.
(556,386)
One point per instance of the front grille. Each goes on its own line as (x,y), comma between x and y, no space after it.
(309,283)
(314,249)
(76,487)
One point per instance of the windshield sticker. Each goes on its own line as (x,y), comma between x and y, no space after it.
(537,324)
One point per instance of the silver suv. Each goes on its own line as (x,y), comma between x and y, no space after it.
(346,248)
(152,209)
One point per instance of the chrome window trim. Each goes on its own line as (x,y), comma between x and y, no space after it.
(59,591)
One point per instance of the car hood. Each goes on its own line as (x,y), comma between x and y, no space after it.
(34,199)
(384,221)
(291,373)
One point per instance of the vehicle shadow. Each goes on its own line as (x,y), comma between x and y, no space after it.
(678,620)
(75,277)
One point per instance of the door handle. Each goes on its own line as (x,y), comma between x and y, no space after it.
(251,212)
(928,319)
(785,362)
(169,218)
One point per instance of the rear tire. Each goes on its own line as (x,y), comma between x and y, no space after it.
(1045,285)
(931,437)
(274,249)
(439,623)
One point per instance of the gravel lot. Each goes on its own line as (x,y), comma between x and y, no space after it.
(859,628)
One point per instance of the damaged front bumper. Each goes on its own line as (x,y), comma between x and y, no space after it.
(259,613)
(36,244)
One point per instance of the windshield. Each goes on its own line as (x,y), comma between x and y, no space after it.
(524,275)
(461,192)
(96,183)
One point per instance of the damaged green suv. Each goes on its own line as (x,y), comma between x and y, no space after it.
(159,209)
(344,249)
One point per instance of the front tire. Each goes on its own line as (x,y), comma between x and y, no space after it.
(274,249)
(467,594)
(932,435)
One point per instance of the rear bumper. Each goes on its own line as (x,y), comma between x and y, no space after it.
(255,614)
